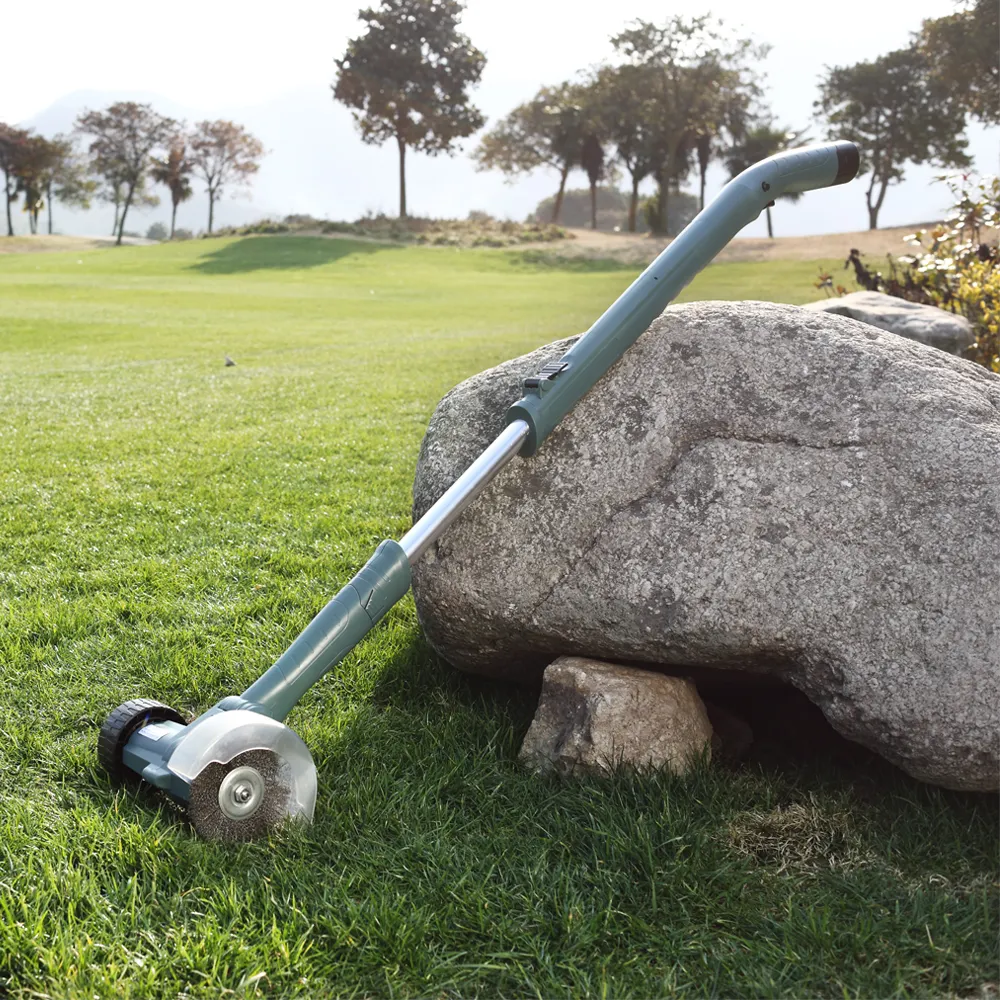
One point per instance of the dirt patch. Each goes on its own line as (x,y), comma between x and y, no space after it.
(635,249)
(49,244)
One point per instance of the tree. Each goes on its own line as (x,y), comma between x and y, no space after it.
(36,161)
(407,78)
(174,172)
(223,154)
(12,141)
(113,192)
(624,109)
(963,53)
(67,179)
(724,123)
(592,161)
(686,66)
(898,113)
(759,142)
(547,131)
(123,138)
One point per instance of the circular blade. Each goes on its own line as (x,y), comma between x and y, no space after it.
(243,799)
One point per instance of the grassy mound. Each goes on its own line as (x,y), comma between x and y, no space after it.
(478,230)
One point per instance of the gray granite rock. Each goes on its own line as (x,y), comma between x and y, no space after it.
(926,324)
(752,486)
(594,716)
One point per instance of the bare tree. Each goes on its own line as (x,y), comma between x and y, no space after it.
(123,138)
(223,154)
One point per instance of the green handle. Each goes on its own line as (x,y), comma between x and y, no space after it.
(333,633)
(558,387)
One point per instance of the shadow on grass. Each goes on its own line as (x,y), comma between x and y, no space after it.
(794,747)
(264,253)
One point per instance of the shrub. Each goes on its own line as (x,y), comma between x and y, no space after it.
(157,231)
(681,209)
(956,268)
(183,234)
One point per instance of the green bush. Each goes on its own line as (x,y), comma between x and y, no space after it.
(681,209)
(157,231)
(955,266)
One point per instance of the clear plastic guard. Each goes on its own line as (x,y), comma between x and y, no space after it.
(223,736)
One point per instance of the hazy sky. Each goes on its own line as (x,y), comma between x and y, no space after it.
(215,53)
(214,57)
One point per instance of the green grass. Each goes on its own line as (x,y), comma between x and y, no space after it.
(168,525)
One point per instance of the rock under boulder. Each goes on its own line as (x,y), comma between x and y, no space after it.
(755,487)
(594,716)
(913,320)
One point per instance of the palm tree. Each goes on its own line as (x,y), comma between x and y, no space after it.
(757,143)
(592,160)
(174,173)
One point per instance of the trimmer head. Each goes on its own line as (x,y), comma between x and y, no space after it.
(241,774)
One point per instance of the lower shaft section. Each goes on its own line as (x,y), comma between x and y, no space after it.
(350,616)
(334,632)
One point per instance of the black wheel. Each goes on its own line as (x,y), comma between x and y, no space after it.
(121,724)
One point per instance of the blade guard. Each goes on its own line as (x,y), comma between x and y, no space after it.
(225,735)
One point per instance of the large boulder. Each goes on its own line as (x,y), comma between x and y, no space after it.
(754,487)
(925,324)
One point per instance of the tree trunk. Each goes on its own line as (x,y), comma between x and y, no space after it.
(593,204)
(770,231)
(633,204)
(48,205)
(114,228)
(173,219)
(873,209)
(559,194)
(10,224)
(663,182)
(402,176)
(125,208)
(704,147)
(211,209)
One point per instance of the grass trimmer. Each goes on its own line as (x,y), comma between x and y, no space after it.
(237,767)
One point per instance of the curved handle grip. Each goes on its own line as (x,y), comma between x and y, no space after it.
(555,391)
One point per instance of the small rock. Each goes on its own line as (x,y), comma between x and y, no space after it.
(229,362)
(924,324)
(594,716)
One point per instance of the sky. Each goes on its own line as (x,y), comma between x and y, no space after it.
(214,58)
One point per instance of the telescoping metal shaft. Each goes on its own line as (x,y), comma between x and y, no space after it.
(548,397)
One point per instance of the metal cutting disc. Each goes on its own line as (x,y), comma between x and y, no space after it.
(243,799)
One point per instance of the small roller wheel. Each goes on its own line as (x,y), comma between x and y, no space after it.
(118,729)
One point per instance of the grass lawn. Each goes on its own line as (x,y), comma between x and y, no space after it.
(168,525)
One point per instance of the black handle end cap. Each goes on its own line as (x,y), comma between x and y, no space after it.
(848,161)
